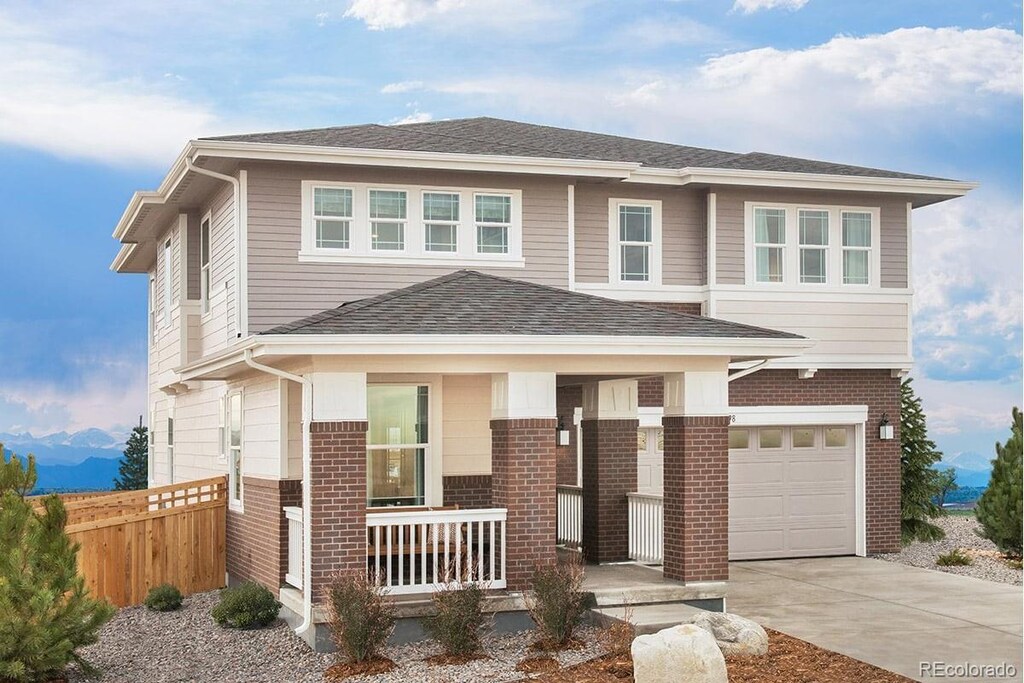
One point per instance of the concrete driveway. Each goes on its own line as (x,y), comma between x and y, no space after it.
(887,614)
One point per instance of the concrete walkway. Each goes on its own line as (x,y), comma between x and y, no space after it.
(887,614)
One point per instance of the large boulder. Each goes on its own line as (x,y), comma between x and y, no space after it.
(681,653)
(734,634)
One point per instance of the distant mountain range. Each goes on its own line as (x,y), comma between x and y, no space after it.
(972,469)
(83,460)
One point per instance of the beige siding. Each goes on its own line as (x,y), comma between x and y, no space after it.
(466,441)
(261,427)
(282,289)
(729,244)
(192,260)
(218,328)
(294,431)
(683,230)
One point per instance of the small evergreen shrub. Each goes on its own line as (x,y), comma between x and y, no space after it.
(557,602)
(246,606)
(954,558)
(361,617)
(459,619)
(1000,509)
(163,598)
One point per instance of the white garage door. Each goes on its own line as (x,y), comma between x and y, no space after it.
(791,492)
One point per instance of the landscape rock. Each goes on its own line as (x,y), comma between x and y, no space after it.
(734,634)
(681,653)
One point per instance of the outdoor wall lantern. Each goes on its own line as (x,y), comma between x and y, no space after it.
(561,434)
(885,430)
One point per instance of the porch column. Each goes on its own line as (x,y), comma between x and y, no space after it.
(609,467)
(696,495)
(338,477)
(523,427)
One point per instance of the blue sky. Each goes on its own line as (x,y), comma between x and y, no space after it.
(97,100)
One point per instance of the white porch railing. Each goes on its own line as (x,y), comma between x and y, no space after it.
(646,528)
(421,551)
(570,516)
(293,574)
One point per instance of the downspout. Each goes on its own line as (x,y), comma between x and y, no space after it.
(307,494)
(749,371)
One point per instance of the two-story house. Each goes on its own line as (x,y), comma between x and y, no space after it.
(699,350)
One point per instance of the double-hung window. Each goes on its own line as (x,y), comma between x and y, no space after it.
(493,213)
(332,212)
(636,239)
(856,247)
(441,221)
(204,264)
(167,282)
(152,310)
(170,445)
(235,448)
(769,243)
(398,443)
(813,246)
(388,215)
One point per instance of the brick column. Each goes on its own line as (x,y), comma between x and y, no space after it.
(338,493)
(523,482)
(696,498)
(609,473)
(257,539)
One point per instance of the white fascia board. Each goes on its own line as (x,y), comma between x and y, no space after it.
(752,416)
(413,159)
(123,254)
(158,196)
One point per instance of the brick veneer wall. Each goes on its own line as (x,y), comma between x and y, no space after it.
(696,498)
(650,392)
(257,545)
(568,399)
(609,473)
(523,482)
(338,492)
(876,389)
(468,491)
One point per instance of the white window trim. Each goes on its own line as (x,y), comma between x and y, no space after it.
(169,440)
(235,503)
(614,254)
(490,224)
(404,222)
(167,258)
(433,490)
(415,252)
(153,323)
(791,249)
(454,224)
(205,271)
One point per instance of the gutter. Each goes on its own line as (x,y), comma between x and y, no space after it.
(307,494)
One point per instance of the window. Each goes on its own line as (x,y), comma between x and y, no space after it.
(235,448)
(222,444)
(493,219)
(636,237)
(441,221)
(835,437)
(739,439)
(332,212)
(769,438)
(204,264)
(813,246)
(769,243)
(170,444)
(398,441)
(152,311)
(167,283)
(641,441)
(856,247)
(387,220)
(803,438)
(151,447)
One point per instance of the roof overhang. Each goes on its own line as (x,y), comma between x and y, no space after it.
(231,361)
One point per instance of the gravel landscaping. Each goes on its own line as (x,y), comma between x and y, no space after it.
(164,647)
(960,533)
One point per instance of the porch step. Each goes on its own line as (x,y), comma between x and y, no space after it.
(655,594)
(648,618)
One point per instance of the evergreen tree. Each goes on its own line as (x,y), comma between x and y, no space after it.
(999,508)
(45,609)
(133,473)
(919,483)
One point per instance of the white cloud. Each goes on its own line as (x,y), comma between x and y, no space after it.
(751,6)
(964,407)
(403,86)
(59,100)
(661,31)
(415,117)
(383,15)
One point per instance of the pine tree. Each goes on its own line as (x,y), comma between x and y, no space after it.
(133,473)
(919,480)
(999,508)
(46,613)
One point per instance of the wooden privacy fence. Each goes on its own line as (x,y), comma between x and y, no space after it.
(134,540)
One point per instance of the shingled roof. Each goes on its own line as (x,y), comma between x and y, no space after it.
(468,302)
(490,136)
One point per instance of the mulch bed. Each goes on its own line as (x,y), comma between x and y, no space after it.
(370,667)
(534,665)
(789,660)
(445,659)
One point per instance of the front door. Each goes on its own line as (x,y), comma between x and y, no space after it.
(650,456)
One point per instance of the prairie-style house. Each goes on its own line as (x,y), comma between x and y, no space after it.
(450,347)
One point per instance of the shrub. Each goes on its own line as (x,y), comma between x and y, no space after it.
(361,618)
(557,603)
(616,637)
(246,606)
(46,612)
(999,509)
(459,619)
(163,598)
(954,558)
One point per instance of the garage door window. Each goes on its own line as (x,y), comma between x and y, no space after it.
(769,438)
(835,437)
(739,439)
(803,438)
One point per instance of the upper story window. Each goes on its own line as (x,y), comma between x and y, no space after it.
(152,310)
(167,282)
(362,223)
(204,264)
(634,247)
(799,244)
